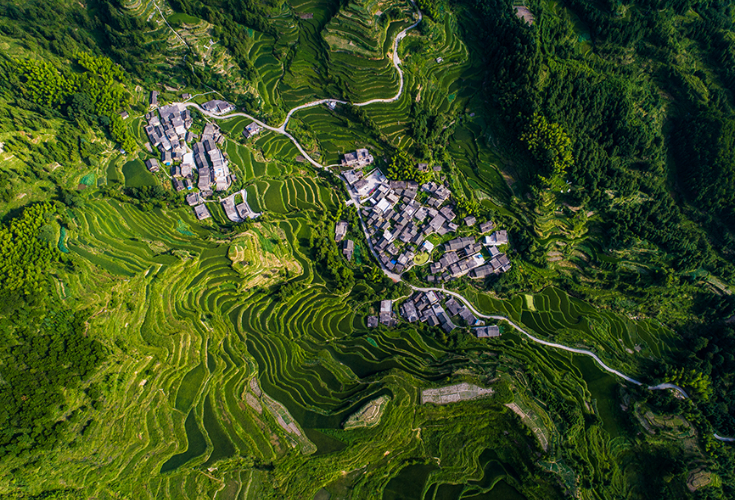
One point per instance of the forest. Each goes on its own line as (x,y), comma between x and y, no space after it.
(44,346)
(619,141)
(617,117)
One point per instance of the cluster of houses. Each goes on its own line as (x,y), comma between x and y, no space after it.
(398,226)
(358,159)
(385,316)
(348,246)
(240,211)
(427,308)
(168,131)
(218,107)
(251,130)
(211,163)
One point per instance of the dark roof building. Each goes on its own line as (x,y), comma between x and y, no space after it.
(166,158)
(453,306)
(201,212)
(487,331)
(487,226)
(467,316)
(152,165)
(193,199)
(409,311)
(218,107)
(348,248)
(340,231)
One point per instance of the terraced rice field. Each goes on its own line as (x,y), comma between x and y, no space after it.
(200,325)
(136,175)
(218,388)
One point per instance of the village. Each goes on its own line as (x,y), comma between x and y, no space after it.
(168,130)
(407,226)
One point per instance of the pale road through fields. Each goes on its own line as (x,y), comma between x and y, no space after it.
(395,277)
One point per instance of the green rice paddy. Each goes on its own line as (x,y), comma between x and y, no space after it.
(195,332)
(136,175)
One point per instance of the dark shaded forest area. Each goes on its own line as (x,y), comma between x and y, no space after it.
(630,140)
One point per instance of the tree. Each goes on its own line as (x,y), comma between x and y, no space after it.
(551,146)
(402,167)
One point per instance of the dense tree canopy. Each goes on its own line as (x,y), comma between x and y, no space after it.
(403,168)
(24,257)
(551,146)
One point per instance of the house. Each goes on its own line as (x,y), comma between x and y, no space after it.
(467,316)
(504,263)
(251,130)
(340,231)
(446,323)
(186,97)
(428,246)
(458,243)
(152,165)
(201,212)
(432,320)
(178,185)
(498,238)
(348,248)
(422,167)
(185,169)
(154,99)
(482,271)
(352,177)
(487,331)
(409,311)
(386,312)
(362,187)
(359,158)
(124,115)
(204,180)
(470,221)
(166,158)
(372,321)
(447,213)
(487,226)
(453,306)
(217,107)
(193,199)
(228,204)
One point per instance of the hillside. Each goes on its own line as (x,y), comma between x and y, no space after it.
(150,353)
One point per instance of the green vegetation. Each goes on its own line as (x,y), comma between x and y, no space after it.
(26,255)
(146,354)
(401,167)
(369,415)
(551,147)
